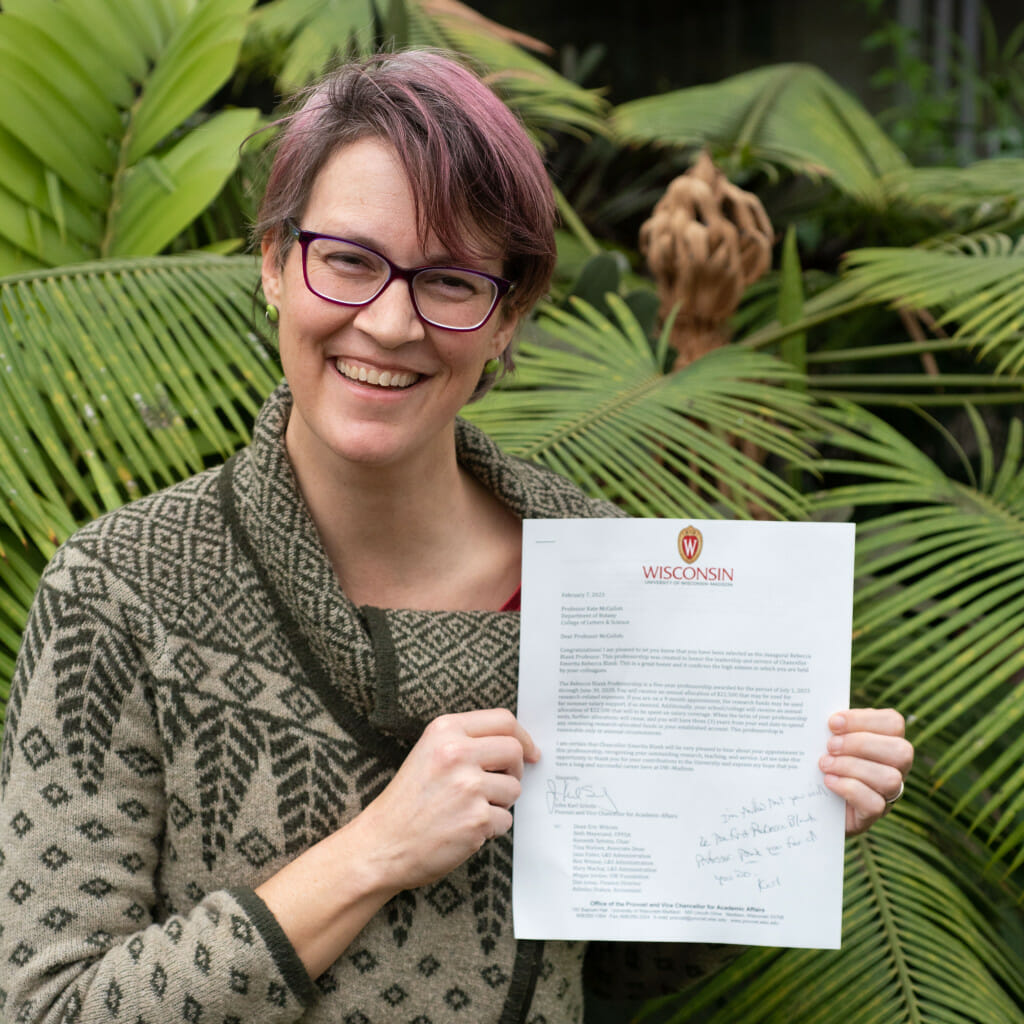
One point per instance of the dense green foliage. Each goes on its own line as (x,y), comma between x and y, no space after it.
(883,388)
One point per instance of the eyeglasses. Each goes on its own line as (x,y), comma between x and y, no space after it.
(351,274)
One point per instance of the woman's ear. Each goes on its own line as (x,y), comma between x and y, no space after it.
(507,326)
(271,271)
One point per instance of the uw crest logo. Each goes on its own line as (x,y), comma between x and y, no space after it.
(691,544)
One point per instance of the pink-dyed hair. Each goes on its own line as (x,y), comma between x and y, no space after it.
(476,176)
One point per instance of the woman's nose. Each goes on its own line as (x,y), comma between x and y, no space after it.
(391,318)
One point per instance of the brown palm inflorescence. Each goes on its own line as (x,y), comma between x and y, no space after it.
(705,242)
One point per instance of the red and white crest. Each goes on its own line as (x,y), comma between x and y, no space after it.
(691,543)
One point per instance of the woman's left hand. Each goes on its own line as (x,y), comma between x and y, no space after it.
(868,758)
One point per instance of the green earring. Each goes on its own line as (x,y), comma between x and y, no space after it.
(492,366)
(272,314)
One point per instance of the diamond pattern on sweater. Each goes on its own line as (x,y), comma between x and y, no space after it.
(243,682)
(99,940)
(394,995)
(20,891)
(277,994)
(256,848)
(457,999)
(202,958)
(363,961)
(158,981)
(494,976)
(22,954)
(194,743)
(55,795)
(132,862)
(444,897)
(486,659)
(38,750)
(113,998)
(134,809)
(97,888)
(54,858)
(94,830)
(191,1010)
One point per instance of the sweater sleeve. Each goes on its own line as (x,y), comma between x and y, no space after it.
(84,936)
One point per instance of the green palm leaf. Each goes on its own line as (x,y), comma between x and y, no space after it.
(93,94)
(954,281)
(940,604)
(120,378)
(546,101)
(590,400)
(302,37)
(975,285)
(311,34)
(988,193)
(787,115)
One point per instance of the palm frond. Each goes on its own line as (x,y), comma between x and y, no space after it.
(120,377)
(988,194)
(939,604)
(546,101)
(590,400)
(92,102)
(909,280)
(975,285)
(303,37)
(311,35)
(788,115)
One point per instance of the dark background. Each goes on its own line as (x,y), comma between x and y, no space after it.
(657,45)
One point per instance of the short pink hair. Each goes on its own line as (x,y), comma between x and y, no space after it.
(476,175)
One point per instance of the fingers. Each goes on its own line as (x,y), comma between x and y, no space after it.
(886,721)
(864,805)
(495,722)
(868,758)
(864,787)
(883,779)
(452,793)
(502,791)
(872,735)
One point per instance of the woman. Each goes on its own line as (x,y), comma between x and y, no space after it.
(259,761)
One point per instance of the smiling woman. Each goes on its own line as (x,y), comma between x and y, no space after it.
(335,353)
(261,749)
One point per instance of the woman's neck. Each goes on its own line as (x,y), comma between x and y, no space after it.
(420,535)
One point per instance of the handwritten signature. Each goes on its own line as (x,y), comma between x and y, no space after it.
(569,793)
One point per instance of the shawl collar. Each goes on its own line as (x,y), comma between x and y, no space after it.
(397,669)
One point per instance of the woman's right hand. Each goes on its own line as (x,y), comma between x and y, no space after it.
(452,793)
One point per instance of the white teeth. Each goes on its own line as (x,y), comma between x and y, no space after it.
(379,378)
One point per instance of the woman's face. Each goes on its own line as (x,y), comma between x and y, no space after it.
(362,194)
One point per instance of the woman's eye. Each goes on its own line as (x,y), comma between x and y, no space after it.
(347,260)
(450,285)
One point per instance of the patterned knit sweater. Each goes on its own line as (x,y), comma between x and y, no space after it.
(196,702)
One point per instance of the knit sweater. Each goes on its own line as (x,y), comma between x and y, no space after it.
(195,703)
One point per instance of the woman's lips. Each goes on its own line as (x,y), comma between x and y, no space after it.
(378,378)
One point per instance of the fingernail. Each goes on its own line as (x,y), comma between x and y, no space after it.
(835,744)
(826,762)
(837,722)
